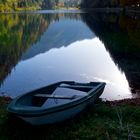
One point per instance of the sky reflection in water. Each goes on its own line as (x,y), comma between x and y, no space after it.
(67,50)
(82,61)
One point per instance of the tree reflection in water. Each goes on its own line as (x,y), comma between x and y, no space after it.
(120,34)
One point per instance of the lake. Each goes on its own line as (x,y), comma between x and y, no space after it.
(40,48)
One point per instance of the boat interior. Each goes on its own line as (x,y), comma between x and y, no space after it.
(54,95)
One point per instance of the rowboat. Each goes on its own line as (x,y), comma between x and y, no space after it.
(56,102)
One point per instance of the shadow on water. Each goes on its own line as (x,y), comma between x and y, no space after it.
(121,37)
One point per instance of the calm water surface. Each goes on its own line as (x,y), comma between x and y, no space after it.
(41,48)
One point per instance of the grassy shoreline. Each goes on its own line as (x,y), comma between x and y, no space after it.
(104,121)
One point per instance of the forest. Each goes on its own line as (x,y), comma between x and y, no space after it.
(109,3)
(17,5)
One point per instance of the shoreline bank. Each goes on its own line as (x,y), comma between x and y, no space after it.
(126,10)
(102,121)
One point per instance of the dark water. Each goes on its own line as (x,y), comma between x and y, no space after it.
(40,48)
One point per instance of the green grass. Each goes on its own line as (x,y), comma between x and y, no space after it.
(101,122)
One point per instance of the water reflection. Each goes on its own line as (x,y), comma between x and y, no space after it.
(85,60)
(120,34)
(21,32)
(60,33)
(38,49)
(17,33)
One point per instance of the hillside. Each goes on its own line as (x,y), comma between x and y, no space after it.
(17,5)
(110,3)
(70,3)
